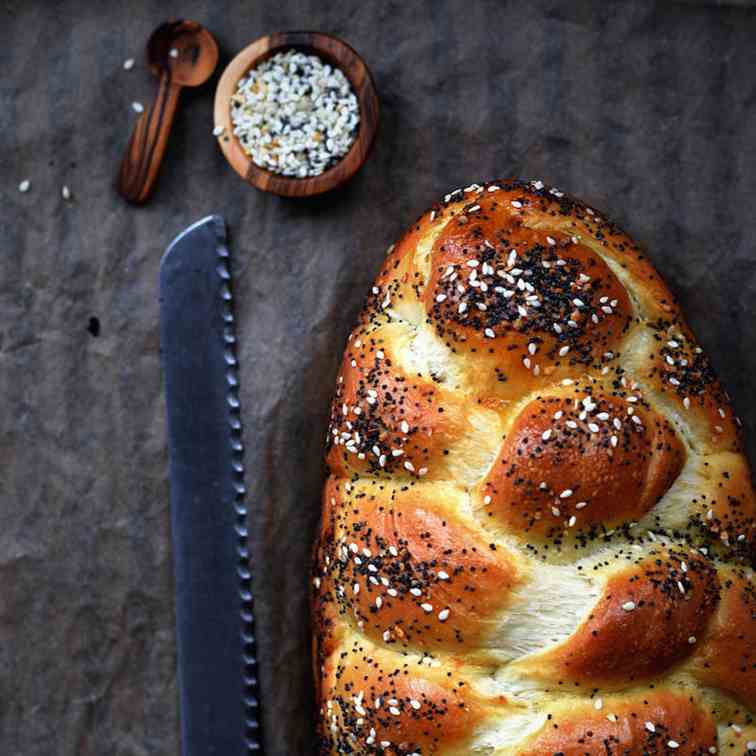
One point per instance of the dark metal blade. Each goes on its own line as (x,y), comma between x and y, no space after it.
(215,623)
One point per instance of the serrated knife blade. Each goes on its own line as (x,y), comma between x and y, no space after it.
(217,664)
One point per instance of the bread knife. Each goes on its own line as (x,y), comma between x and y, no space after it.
(217,662)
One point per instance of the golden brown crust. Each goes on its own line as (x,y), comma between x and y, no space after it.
(665,723)
(531,303)
(407,571)
(374,701)
(726,658)
(579,460)
(537,491)
(642,624)
(384,420)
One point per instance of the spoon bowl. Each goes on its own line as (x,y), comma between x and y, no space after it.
(195,56)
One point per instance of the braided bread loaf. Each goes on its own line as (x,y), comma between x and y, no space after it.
(538,528)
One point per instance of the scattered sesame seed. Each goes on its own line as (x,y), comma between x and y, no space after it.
(546,435)
(628,606)
(673,744)
(650,727)
(516,204)
(598,704)
(427,608)
(218,131)
(137,107)
(128,64)
(443,615)
(692,639)
(174,53)
(24,186)
(566,493)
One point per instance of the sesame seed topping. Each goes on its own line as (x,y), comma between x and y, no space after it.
(427,608)
(628,606)
(443,615)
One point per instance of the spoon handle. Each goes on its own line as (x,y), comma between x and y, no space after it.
(146,148)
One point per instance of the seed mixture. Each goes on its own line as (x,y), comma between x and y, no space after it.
(295,114)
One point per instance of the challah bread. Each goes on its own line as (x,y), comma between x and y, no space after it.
(538,528)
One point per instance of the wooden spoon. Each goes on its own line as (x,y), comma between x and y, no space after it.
(182,54)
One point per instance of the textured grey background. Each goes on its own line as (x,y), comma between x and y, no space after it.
(648,111)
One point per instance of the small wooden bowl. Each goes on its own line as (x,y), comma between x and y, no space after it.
(333,51)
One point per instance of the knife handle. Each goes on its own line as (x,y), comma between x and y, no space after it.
(144,154)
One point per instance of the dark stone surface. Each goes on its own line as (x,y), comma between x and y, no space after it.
(646,110)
